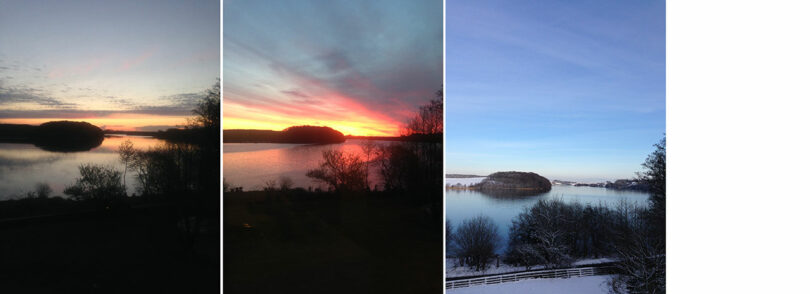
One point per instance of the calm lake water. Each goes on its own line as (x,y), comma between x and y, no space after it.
(250,165)
(22,166)
(461,205)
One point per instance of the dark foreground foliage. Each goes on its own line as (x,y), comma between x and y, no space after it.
(296,241)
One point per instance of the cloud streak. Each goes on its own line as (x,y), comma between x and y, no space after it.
(368,64)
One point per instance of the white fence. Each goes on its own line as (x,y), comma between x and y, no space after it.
(538,274)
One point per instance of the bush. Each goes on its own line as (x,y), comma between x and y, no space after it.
(476,240)
(97,182)
(43,190)
(341,171)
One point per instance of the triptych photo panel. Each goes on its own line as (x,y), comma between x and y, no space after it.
(246,146)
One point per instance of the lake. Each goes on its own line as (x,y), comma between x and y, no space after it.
(250,165)
(465,204)
(22,166)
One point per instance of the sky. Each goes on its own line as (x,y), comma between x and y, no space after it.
(124,65)
(571,90)
(360,67)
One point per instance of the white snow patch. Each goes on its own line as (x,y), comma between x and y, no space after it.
(455,271)
(583,285)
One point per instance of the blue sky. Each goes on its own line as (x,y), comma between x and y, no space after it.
(572,90)
(362,67)
(119,64)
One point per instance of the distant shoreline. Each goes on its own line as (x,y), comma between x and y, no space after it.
(462,176)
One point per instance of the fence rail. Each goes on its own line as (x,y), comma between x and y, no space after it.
(538,274)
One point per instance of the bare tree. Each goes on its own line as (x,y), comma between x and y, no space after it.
(369,149)
(126,154)
(642,263)
(477,238)
(542,234)
(43,190)
(430,119)
(285,183)
(207,110)
(341,171)
(96,182)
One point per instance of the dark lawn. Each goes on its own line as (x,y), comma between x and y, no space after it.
(299,242)
(136,252)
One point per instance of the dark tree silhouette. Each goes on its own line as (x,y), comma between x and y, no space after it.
(430,119)
(126,154)
(43,190)
(341,171)
(97,183)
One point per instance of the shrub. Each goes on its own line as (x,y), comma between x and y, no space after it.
(97,182)
(476,240)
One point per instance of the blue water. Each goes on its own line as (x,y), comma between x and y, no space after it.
(461,205)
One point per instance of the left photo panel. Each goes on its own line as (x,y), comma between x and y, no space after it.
(110,146)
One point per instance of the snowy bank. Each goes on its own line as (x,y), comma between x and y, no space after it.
(584,285)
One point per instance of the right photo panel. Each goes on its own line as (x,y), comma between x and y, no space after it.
(555,178)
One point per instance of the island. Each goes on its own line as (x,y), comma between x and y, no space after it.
(292,135)
(514,180)
(60,136)
(508,184)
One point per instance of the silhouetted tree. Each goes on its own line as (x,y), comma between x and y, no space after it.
(43,190)
(97,182)
(285,183)
(477,238)
(430,119)
(341,171)
(206,113)
(126,154)
(369,150)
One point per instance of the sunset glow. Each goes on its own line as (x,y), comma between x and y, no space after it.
(359,71)
(117,66)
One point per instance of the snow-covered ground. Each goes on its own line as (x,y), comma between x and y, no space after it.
(463,181)
(583,285)
(454,271)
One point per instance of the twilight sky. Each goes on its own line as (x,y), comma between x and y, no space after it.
(117,64)
(361,67)
(572,90)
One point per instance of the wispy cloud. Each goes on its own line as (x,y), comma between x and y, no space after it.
(373,62)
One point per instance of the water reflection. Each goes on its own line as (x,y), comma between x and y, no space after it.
(22,166)
(465,204)
(250,165)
